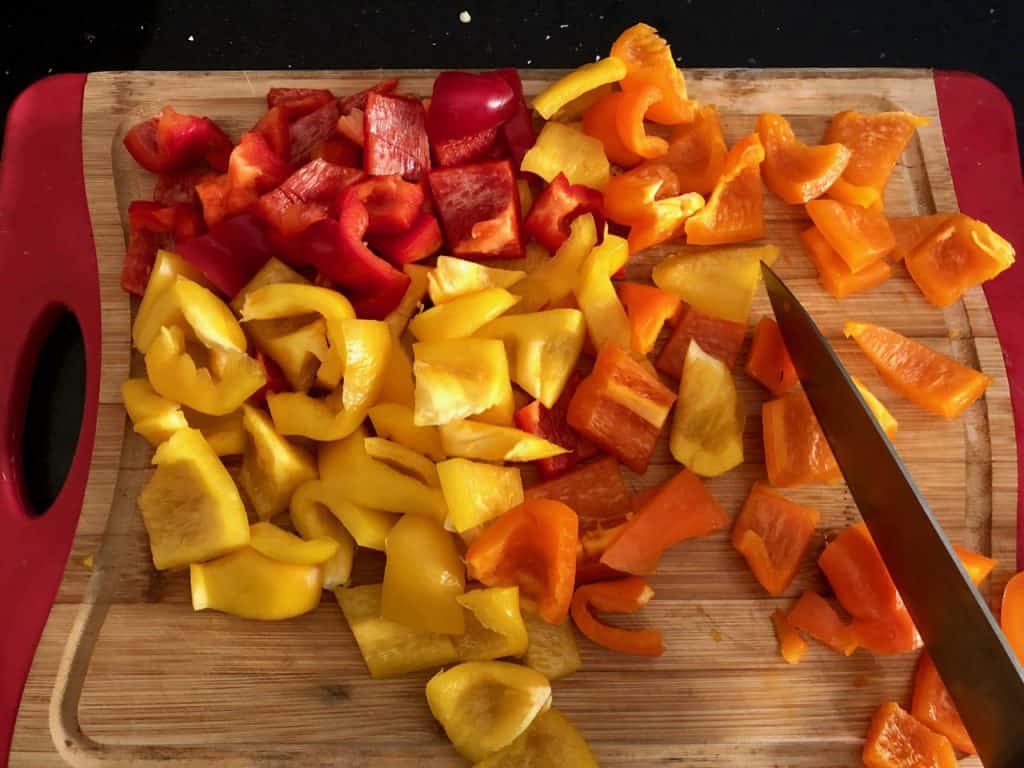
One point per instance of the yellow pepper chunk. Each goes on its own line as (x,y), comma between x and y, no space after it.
(397,385)
(314,521)
(150,318)
(225,434)
(299,351)
(486,442)
(552,649)
(395,422)
(453,278)
(278,544)
(484,705)
(719,282)
(248,584)
(552,741)
(367,345)
(190,506)
(606,317)
(272,468)
(477,493)
(272,272)
(457,378)
(707,429)
(578,82)
(423,576)
(316,500)
(399,317)
(494,625)
(463,316)
(388,648)
(556,278)
(543,347)
(403,459)
(566,149)
(188,305)
(155,418)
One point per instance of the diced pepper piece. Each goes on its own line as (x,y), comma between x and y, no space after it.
(649,61)
(358,100)
(393,421)
(707,429)
(769,363)
(722,339)
(476,493)
(623,596)
(834,274)
(896,739)
(494,625)
(297,354)
(139,257)
(308,131)
(272,468)
(172,142)
(351,127)
(274,128)
(453,278)
(253,586)
(735,210)
(151,314)
(934,707)
(719,282)
(322,507)
(792,170)
(398,386)
(225,434)
(231,252)
(179,187)
(648,309)
(518,130)
(978,566)
(1011,614)
(462,317)
(155,418)
(457,378)
(296,102)
(814,615)
(313,520)
(922,375)
(392,204)
(860,236)
(421,240)
(621,406)
(489,442)
(911,231)
(552,212)
(479,209)
(596,297)
(551,740)
(791,645)
(186,305)
(682,508)
(305,197)
(773,534)
(578,82)
(464,149)
(339,151)
(851,194)
(551,424)
(254,168)
(403,459)
(555,278)
(881,413)
(463,104)
(647,199)
(795,448)
(595,491)
(629,122)
(278,544)
(398,318)
(599,122)
(552,650)
(564,149)
(876,142)
(697,152)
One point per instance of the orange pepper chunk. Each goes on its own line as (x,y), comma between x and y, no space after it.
(735,211)
(648,309)
(792,646)
(649,61)
(896,739)
(978,566)
(682,508)
(629,122)
(532,546)
(922,375)
(769,363)
(875,141)
(834,274)
(960,254)
(934,707)
(910,231)
(594,491)
(697,152)
(599,121)
(814,615)
(623,596)
(865,197)
(722,339)
(664,222)
(795,448)
(773,534)
(885,419)
(860,236)
(1011,614)
(629,195)
(796,172)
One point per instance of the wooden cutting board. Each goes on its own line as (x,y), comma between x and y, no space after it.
(126,673)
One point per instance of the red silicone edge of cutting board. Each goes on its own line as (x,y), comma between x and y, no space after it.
(48,263)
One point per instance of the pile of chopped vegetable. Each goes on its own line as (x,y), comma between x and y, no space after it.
(297,311)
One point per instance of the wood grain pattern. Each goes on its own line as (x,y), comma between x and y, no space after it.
(126,674)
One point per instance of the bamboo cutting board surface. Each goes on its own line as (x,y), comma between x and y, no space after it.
(126,673)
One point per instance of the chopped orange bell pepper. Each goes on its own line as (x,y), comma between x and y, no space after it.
(920,374)
(911,231)
(773,534)
(934,707)
(865,197)
(1011,614)
(792,170)
(648,309)
(650,191)
(814,615)
(978,566)
(649,61)
(795,448)
(960,254)
(896,739)
(875,141)
(623,596)
(697,152)
(682,508)
(769,363)
(532,546)
(629,122)
(594,491)
(792,645)
(665,221)
(860,236)
(719,338)
(834,274)
(885,420)
(599,121)
(621,406)
(735,211)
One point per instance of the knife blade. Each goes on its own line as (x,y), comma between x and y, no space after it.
(970,652)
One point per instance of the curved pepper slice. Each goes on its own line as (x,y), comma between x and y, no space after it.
(792,170)
(875,141)
(564,149)
(494,625)
(313,520)
(248,584)
(490,442)
(231,252)
(461,317)
(623,596)
(895,739)
(552,212)
(150,315)
(834,273)
(278,544)
(599,121)
(422,239)
(860,236)
(649,61)
(791,645)
(722,339)
(606,317)
(697,152)
(934,707)
(555,278)
(647,199)
(1011,614)
(911,231)
(457,378)
(394,421)
(919,373)
(648,309)
(155,418)
(322,508)
(578,82)
(629,122)
(297,102)
(551,740)
(272,468)
(814,615)
(477,493)
(453,278)
(664,220)
(403,459)
(769,363)
(795,448)
(189,306)
(735,211)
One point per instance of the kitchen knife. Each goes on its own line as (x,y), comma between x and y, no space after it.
(973,658)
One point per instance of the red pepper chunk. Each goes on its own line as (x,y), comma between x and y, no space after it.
(561,202)
(479,209)
(339,151)
(358,100)
(420,241)
(721,339)
(623,596)
(309,130)
(231,252)
(273,126)
(518,130)
(552,425)
(532,546)
(391,204)
(305,197)
(173,142)
(254,168)
(465,104)
(464,149)
(150,227)
(297,102)
(595,491)
(395,137)
(179,187)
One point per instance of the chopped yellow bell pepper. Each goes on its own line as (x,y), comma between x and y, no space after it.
(299,348)
(494,625)
(315,521)
(272,272)
(552,649)
(556,278)
(461,317)
(167,268)
(484,705)
(278,544)
(399,317)
(476,492)
(423,576)
(367,345)
(313,500)
(272,468)
(225,434)
(578,82)
(398,386)
(707,429)
(457,378)
(487,442)
(390,649)
(566,149)
(453,278)
(395,422)
(552,741)
(606,317)
(187,305)
(503,412)
(190,506)
(155,418)
(719,282)
(248,584)
(544,347)
(525,202)
(403,459)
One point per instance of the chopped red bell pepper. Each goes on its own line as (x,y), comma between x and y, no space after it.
(254,168)
(231,252)
(464,149)
(139,257)
(358,100)
(172,142)
(719,338)
(350,126)
(518,130)
(179,187)
(340,151)
(422,239)
(595,491)
(150,227)
(311,129)
(391,203)
(273,126)
(561,202)
(479,209)
(551,424)
(465,104)
(297,102)
(395,137)
(305,197)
